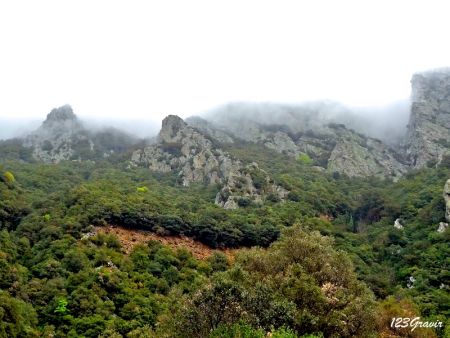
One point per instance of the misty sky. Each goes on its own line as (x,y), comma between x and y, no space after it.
(147,59)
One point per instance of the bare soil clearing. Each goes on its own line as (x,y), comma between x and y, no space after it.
(129,238)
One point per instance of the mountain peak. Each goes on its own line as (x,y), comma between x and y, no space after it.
(61,114)
(171,125)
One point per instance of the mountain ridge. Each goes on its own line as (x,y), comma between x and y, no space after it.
(308,133)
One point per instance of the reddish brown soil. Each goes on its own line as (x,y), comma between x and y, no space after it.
(328,218)
(129,238)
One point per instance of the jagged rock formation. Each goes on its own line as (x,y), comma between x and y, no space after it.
(428,137)
(311,129)
(331,146)
(195,157)
(446,195)
(180,147)
(356,155)
(62,136)
(56,138)
(249,184)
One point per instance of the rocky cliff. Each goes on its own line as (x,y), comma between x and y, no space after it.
(447,200)
(329,145)
(428,137)
(62,136)
(195,157)
(56,138)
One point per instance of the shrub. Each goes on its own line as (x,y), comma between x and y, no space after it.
(8,177)
(142,189)
(304,159)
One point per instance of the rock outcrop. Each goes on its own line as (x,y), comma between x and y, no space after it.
(315,129)
(398,224)
(58,136)
(428,137)
(357,155)
(62,136)
(249,185)
(442,227)
(183,149)
(331,146)
(209,129)
(194,157)
(446,195)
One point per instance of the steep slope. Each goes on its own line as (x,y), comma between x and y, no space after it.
(428,137)
(357,155)
(196,158)
(62,136)
(331,146)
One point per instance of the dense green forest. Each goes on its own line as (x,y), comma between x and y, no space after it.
(327,262)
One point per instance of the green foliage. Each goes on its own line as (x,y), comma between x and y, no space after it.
(305,159)
(17,318)
(142,189)
(62,306)
(302,284)
(218,261)
(9,177)
(238,330)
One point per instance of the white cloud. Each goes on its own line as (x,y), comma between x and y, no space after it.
(153,58)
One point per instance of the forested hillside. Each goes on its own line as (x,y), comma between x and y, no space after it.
(326,262)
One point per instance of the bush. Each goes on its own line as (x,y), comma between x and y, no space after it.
(305,159)
(142,189)
(8,177)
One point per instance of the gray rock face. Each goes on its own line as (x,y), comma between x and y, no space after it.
(442,227)
(63,137)
(294,130)
(249,184)
(428,137)
(183,149)
(208,128)
(331,146)
(356,155)
(282,143)
(60,115)
(446,195)
(55,139)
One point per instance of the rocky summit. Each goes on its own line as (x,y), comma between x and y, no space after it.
(196,158)
(58,136)
(428,138)
(62,136)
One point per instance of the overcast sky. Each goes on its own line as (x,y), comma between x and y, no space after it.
(147,59)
